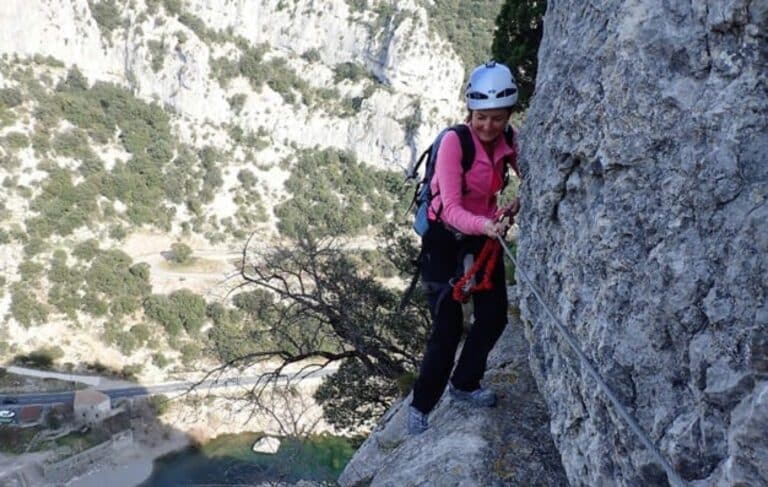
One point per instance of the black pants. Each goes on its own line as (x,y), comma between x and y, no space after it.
(441,262)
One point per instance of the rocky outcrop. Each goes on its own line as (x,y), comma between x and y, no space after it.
(506,445)
(169,57)
(644,225)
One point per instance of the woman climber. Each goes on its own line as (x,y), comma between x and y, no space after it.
(464,220)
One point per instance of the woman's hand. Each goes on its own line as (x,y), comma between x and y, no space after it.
(494,229)
(504,220)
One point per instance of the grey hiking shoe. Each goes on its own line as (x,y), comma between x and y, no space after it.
(480,397)
(417,421)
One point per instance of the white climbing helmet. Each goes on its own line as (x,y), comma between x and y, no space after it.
(491,85)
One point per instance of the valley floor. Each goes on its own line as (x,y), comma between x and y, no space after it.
(133,465)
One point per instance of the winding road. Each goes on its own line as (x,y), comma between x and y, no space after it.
(67,397)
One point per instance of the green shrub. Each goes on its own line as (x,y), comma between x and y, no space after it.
(157,53)
(160,360)
(251,67)
(25,308)
(180,253)
(472,35)
(7,117)
(34,246)
(190,352)
(65,299)
(62,206)
(159,404)
(224,69)
(197,26)
(131,372)
(333,194)
(111,273)
(349,71)
(126,343)
(9,162)
(14,141)
(73,143)
(246,178)
(145,133)
(30,271)
(75,81)
(216,312)
(141,333)
(516,42)
(42,358)
(191,310)
(311,55)
(111,331)
(117,232)
(123,305)
(237,102)
(258,305)
(182,309)
(86,250)
(172,7)
(161,309)
(106,13)
(11,97)
(60,273)
(152,6)
(358,6)
(94,306)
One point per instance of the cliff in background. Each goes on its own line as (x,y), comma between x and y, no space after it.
(138,124)
(173,52)
(644,224)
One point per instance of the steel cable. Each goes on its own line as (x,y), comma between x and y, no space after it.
(672,475)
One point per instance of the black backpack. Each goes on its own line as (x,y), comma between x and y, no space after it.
(423,194)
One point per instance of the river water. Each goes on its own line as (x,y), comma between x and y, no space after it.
(229,460)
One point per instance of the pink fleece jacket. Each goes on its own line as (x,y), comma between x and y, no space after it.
(468,212)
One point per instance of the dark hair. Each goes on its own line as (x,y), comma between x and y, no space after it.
(468,118)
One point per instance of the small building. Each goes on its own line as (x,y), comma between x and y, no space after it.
(30,414)
(91,406)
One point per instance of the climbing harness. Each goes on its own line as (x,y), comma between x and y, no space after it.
(486,259)
(672,476)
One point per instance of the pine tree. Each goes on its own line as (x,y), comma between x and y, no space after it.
(516,42)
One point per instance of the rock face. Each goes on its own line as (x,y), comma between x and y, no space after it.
(506,445)
(170,57)
(644,226)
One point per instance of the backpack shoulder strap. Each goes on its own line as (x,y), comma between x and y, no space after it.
(467,146)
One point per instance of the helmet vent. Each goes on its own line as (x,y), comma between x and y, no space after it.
(507,92)
(477,96)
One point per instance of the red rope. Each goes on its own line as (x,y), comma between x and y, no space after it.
(488,257)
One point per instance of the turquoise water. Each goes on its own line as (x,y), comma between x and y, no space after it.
(228,460)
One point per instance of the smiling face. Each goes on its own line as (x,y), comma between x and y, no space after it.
(489,124)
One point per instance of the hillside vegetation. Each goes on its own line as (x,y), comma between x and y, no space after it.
(97,167)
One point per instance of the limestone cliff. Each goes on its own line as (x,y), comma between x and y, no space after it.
(169,55)
(644,224)
(224,96)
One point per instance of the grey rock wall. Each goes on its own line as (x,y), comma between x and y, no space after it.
(645,224)
(506,445)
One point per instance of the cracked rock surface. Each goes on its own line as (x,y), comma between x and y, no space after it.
(506,445)
(644,224)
